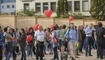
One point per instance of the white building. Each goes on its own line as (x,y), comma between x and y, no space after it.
(9,7)
(75,6)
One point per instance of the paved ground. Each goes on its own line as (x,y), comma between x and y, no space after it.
(82,57)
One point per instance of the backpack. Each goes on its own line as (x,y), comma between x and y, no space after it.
(100,32)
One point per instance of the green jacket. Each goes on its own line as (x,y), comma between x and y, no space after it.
(61,34)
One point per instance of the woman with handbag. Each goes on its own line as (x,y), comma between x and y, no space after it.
(54,42)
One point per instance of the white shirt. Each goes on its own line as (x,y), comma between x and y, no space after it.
(88,31)
(39,35)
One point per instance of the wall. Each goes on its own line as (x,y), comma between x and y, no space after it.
(25,22)
(7,21)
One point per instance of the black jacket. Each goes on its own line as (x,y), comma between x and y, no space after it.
(22,40)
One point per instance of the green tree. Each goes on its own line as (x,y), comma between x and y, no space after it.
(98,9)
(58,9)
(62,9)
(66,9)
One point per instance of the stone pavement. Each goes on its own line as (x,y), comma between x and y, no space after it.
(82,57)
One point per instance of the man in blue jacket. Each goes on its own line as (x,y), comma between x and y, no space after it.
(1,42)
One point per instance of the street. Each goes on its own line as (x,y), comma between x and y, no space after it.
(49,57)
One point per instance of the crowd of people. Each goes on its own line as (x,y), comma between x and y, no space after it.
(69,41)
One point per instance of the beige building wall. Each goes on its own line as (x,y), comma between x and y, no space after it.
(20,6)
(7,21)
(25,22)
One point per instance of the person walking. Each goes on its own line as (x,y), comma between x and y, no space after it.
(72,36)
(30,45)
(100,39)
(22,42)
(47,43)
(61,36)
(39,37)
(83,36)
(1,42)
(54,36)
(9,43)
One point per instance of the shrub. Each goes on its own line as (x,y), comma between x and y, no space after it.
(77,15)
(26,13)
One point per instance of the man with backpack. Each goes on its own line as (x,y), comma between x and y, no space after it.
(100,39)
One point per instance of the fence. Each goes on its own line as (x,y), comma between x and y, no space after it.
(24,22)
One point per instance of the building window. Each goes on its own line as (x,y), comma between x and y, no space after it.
(85,6)
(45,6)
(26,6)
(77,6)
(13,6)
(8,6)
(38,7)
(53,6)
(69,5)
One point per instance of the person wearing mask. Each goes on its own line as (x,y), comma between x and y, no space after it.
(89,40)
(39,37)
(72,36)
(1,42)
(22,42)
(100,39)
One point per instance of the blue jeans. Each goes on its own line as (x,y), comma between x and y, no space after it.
(88,46)
(23,57)
(81,45)
(55,53)
(29,50)
(9,50)
(46,47)
(8,55)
